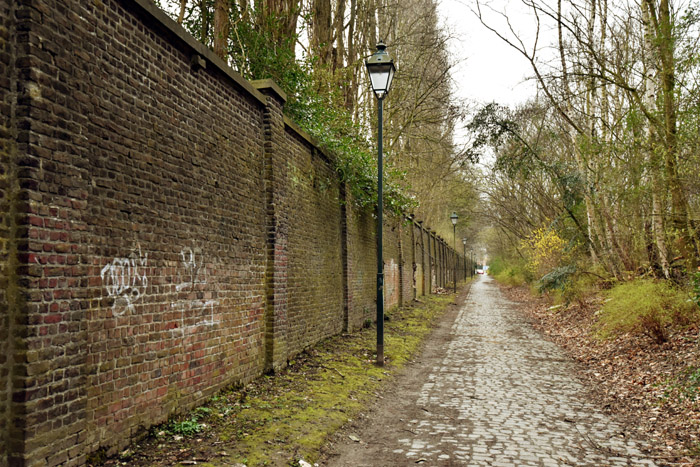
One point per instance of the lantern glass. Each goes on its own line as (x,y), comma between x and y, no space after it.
(380,68)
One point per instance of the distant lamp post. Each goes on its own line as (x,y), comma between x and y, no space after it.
(464,242)
(454,218)
(471,262)
(380,68)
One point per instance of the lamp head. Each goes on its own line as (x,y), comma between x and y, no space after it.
(380,67)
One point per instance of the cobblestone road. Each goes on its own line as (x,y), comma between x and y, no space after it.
(499,394)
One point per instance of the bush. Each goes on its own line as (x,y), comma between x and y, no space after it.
(644,307)
(513,276)
(496,266)
(569,284)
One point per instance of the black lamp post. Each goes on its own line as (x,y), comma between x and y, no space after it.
(380,68)
(454,218)
(471,262)
(464,242)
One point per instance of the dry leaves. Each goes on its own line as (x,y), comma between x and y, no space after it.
(653,388)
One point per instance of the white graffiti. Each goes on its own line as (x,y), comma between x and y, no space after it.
(193,274)
(125,280)
(188,308)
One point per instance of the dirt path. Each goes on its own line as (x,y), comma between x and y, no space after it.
(488,390)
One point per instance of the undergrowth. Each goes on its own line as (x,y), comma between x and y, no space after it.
(508,273)
(685,386)
(644,307)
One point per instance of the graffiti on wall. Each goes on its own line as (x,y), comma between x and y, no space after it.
(125,280)
(195,314)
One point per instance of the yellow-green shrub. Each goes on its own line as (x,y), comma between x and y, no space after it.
(545,251)
(511,275)
(645,307)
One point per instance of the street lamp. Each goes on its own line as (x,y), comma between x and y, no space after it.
(454,218)
(380,68)
(471,262)
(464,242)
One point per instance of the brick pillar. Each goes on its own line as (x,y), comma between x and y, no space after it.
(424,289)
(11,308)
(47,189)
(441,259)
(276,325)
(432,263)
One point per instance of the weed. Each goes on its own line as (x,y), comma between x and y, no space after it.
(685,386)
(185,427)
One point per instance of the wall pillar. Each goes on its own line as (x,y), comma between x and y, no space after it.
(277,225)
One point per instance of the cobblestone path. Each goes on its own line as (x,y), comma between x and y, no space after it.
(497,394)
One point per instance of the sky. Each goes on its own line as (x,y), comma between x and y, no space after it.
(488,69)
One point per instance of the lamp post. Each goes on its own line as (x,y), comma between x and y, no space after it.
(464,242)
(380,68)
(454,218)
(471,262)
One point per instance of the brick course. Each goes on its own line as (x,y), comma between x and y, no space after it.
(165,231)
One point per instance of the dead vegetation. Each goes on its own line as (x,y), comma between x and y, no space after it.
(653,387)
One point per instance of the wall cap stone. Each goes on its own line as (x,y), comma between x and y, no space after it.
(269,84)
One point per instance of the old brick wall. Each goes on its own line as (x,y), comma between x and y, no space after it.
(177,244)
(145,257)
(408,261)
(419,278)
(315,278)
(361,265)
(392,261)
(8,151)
(164,230)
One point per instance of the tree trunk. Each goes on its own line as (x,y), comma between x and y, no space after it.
(321,31)
(222,27)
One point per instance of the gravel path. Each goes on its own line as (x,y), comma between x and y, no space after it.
(489,391)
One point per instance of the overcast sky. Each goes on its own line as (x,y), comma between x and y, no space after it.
(488,69)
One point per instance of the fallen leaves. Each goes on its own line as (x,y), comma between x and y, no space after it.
(649,386)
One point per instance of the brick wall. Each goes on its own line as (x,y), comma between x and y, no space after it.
(315,258)
(419,279)
(408,261)
(8,151)
(361,265)
(392,262)
(164,230)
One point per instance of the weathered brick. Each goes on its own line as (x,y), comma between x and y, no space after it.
(165,231)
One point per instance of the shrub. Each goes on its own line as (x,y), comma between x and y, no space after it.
(644,307)
(496,266)
(545,250)
(513,276)
(695,294)
(568,284)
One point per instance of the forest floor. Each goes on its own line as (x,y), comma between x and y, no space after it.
(652,387)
